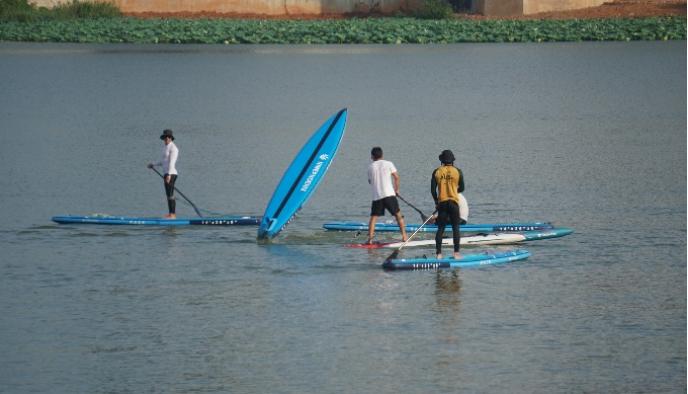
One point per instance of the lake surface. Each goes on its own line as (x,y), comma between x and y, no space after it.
(590,136)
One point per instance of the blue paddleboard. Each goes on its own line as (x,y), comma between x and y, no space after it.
(303,176)
(470,227)
(468,260)
(157,221)
(546,233)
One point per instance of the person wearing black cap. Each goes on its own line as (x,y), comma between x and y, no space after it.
(446,184)
(169,160)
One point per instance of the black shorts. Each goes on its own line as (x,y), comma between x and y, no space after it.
(390,203)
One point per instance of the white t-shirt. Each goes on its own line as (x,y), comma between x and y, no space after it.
(169,159)
(380,179)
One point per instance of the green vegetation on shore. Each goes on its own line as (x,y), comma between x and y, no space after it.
(23,11)
(340,31)
(101,23)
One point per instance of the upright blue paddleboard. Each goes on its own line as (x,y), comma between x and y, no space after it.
(157,221)
(303,176)
(468,260)
(470,227)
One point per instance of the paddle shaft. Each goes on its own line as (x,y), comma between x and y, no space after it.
(198,212)
(395,253)
(416,232)
(422,215)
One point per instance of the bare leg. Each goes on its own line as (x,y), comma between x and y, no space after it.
(402,226)
(371,228)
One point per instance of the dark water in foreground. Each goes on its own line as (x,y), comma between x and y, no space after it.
(589,136)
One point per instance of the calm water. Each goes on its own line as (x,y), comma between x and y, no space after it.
(589,136)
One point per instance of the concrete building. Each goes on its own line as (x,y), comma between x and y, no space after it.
(323,7)
(527,7)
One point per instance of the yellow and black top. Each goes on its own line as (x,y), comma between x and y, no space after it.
(446,184)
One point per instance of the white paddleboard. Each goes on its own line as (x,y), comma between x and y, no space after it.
(472,240)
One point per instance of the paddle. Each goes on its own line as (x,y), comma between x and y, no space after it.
(395,253)
(422,215)
(181,194)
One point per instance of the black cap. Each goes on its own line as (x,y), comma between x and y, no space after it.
(447,157)
(167,133)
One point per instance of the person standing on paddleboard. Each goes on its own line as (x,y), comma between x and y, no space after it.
(445,186)
(169,160)
(384,181)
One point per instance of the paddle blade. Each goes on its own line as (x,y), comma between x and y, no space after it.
(392,256)
(387,265)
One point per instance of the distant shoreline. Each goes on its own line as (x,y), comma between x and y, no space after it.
(341,31)
(610,9)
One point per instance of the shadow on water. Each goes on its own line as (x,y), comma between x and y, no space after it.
(284,256)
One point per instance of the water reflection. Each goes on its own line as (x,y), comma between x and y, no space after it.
(447,290)
(448,304)
(169,242)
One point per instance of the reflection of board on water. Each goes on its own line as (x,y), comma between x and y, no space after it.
(303,176)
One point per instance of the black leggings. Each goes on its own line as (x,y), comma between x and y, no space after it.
(447,212)
(169,192)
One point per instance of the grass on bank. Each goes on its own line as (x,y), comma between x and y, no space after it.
(23,11)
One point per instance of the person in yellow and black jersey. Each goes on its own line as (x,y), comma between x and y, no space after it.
(447,182)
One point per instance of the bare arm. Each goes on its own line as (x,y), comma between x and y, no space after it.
(395,178)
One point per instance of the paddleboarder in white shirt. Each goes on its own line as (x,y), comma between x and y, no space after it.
(169,160)
(384,181)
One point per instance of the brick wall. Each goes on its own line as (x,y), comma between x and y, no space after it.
(318,7)
(259,7)
(525,7)
(535,6)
